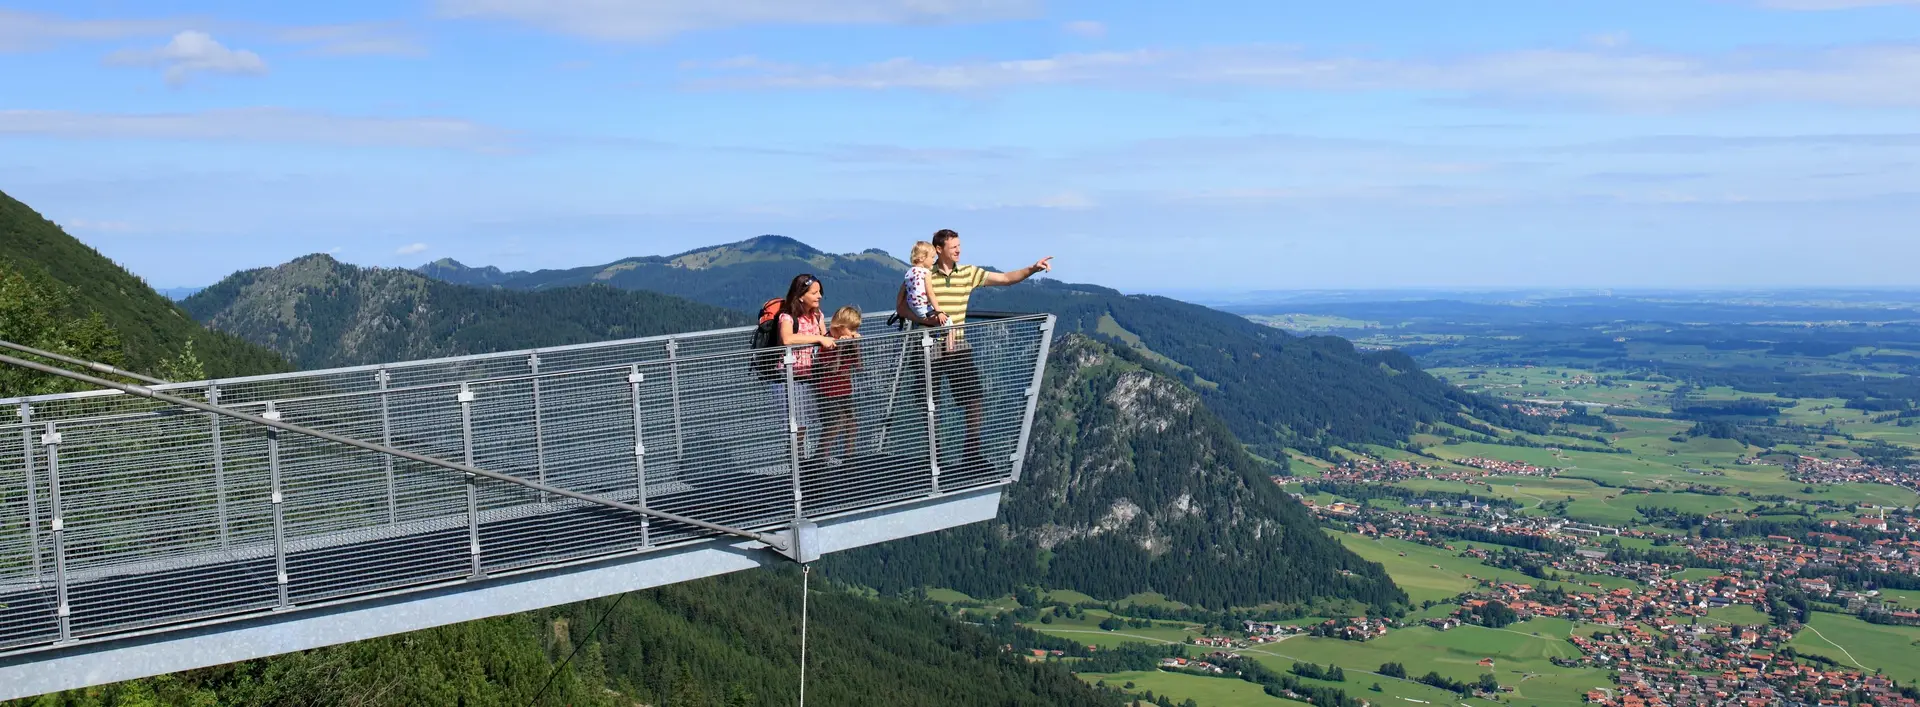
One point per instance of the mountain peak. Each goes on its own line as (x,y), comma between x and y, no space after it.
(758,248)
(456,272)
(773,243)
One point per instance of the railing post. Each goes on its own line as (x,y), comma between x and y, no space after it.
(61,609)
(33,493)
(673,383)
(933,411)
(793,430)
(386,438)
(1033,395)
(219,466)
(473,482)
(634,379)
(539,426)
(276,499)
(893,393)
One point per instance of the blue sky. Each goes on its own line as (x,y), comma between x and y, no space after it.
(1149,146)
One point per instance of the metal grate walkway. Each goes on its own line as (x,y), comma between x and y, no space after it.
(122,515)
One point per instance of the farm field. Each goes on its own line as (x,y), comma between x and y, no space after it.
(1209,691)
(1739,615)
(1850,641)
(1087,630)
(1422,581)
(1456,654)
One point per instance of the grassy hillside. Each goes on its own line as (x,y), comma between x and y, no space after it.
(150,329)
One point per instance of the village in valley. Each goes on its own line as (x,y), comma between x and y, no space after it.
(1616,555)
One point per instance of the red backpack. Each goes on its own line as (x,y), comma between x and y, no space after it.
(766,343)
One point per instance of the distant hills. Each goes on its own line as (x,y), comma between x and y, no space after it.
(1274,391)
(736,276)
(320,312)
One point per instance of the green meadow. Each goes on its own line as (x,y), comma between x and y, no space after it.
(1207,691)
(1520,658)
(1850,641)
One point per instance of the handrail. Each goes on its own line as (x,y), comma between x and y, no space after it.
(771,540)
(92,365)
(151,506)
(398,367)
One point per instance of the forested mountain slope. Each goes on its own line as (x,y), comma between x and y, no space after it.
(728,641)
(52,275)
(1132,485)
(321,313)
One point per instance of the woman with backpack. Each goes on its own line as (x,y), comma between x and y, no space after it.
(800,323)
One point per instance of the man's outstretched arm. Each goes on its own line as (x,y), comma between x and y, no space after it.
(1008,278)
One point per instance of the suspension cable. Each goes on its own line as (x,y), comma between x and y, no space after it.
(83,363)
(806,571)
(774,541)
(576,648)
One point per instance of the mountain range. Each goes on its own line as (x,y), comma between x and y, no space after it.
(320,312)
(736,276)
(1274,391)
(1138,486)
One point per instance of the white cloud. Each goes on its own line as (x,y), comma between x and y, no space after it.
(1822,5)
(258,125)
(98,226)
(1085,28)
(1070,200)
(1609,40)
(1887,75)
(654,19)
(411,249)
(192,52)
(363,39)
(21,31)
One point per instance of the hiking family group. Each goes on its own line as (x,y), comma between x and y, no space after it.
(824,352)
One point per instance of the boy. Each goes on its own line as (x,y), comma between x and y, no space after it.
(833,370)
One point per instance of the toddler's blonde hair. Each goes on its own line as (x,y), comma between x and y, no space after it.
(847,318)
(923,254)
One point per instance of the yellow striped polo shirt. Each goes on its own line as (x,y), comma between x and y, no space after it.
(952,289)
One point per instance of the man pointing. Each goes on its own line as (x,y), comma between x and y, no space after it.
(952,288)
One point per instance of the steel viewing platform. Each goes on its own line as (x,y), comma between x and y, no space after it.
(158,528)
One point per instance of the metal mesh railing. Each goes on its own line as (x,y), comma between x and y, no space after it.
(120,513)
